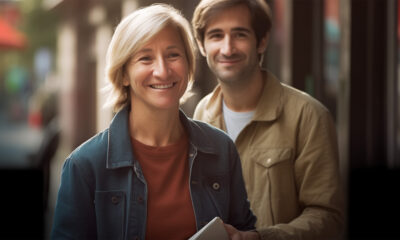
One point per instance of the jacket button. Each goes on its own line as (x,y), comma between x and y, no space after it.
(269,160)
(194,182)
(216,186)
(140,199)
(114,199)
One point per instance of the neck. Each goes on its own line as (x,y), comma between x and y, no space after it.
(155,128)
(244,97)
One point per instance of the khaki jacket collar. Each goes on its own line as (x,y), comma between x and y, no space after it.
(270,105)
(214,109)
(268,108)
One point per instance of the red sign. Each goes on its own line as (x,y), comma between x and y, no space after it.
(10,37)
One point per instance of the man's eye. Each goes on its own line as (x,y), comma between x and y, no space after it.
(215,36)
(240,35)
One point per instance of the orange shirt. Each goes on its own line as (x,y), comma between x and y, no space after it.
(170,213)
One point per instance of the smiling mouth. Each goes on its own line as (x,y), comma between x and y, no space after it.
(229,60)
(162,86)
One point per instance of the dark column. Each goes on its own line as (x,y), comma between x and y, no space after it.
(373,200)
(307,39)
(367,90)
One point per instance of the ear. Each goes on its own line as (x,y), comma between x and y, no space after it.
(263,44)
(201,48)
(125,80)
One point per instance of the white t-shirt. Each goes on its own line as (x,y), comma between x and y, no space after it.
(235,121)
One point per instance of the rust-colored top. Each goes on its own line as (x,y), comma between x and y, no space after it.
(170,214)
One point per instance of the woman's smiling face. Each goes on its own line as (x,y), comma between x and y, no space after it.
(158,73)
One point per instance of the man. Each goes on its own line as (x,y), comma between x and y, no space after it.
(286,139)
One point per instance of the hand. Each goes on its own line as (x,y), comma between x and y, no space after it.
(235,234)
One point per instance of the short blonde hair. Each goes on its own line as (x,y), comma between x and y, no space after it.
(131,34)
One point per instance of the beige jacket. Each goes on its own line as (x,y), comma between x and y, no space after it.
(290,162)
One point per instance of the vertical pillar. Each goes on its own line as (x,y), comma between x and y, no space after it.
(368,85)
(66,65)
(392,87)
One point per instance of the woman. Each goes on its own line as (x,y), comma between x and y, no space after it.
(154,173)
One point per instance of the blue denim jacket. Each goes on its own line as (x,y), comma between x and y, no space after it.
(103,192)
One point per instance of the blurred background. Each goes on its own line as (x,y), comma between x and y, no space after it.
(345,53)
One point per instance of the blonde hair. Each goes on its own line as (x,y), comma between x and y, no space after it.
(132,33)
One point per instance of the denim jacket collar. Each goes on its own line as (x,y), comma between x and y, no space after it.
(119,147)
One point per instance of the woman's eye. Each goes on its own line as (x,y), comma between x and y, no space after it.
(145,59)
(173,55)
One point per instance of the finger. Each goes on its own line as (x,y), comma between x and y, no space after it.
(233,233)
(230,229)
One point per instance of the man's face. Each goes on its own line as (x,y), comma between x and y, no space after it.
(230,45)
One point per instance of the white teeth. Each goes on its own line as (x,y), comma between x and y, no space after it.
(162,86)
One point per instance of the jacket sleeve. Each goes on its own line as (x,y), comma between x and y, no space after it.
(318,182)
(241,216)
(74,216)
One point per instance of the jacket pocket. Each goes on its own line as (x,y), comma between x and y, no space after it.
(274,174)
(274,166)
(110,214)
(270,157)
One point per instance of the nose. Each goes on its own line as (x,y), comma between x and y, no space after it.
(161,70)
(227,46)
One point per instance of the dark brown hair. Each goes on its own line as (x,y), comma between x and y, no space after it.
(260,14)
